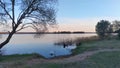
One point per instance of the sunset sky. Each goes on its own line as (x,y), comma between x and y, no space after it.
(83,15)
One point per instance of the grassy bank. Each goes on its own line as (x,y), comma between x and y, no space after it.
(99,60)
(96,45)
(18,57)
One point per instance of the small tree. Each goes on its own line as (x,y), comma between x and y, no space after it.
(103,28)
(37,14)
(116,27)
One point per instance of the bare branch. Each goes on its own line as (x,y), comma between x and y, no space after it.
(24,13)
(23,28)
(3,6)
(13,13)
(26,25)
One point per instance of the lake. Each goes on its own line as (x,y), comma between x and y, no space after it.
(43,45)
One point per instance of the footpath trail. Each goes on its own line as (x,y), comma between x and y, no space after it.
(75,58)
(85,55)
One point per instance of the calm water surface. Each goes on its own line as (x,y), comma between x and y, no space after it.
(27,44)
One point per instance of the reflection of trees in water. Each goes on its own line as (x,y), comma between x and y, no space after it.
(69,42)
(64,43)
(0,36)
(38,35)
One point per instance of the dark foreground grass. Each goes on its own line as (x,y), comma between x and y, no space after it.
(100,60)
(103,60)
(17,57)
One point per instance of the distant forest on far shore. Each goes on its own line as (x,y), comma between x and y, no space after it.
(59,32)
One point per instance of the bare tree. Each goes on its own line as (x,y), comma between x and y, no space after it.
(36,14)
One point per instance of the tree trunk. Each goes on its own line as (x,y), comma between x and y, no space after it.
(7,40)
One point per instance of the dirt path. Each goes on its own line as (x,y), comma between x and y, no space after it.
(85,55)
(75,58)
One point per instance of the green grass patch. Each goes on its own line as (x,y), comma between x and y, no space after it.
(96,45)
(17,57)
(44,65)
(102,60)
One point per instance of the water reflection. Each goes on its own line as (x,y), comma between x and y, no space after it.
(38,35)
(45,45)
(0,36)
(64,43)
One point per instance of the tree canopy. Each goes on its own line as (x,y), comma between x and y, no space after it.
(103,28)
(116,26)
(21,14)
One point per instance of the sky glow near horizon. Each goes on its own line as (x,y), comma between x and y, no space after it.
(83,15)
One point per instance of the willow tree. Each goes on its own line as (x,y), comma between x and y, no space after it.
(21,14)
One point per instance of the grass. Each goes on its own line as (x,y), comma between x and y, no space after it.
(45,65)
(96,45)
(17,57)
(102,60)
(99,60)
